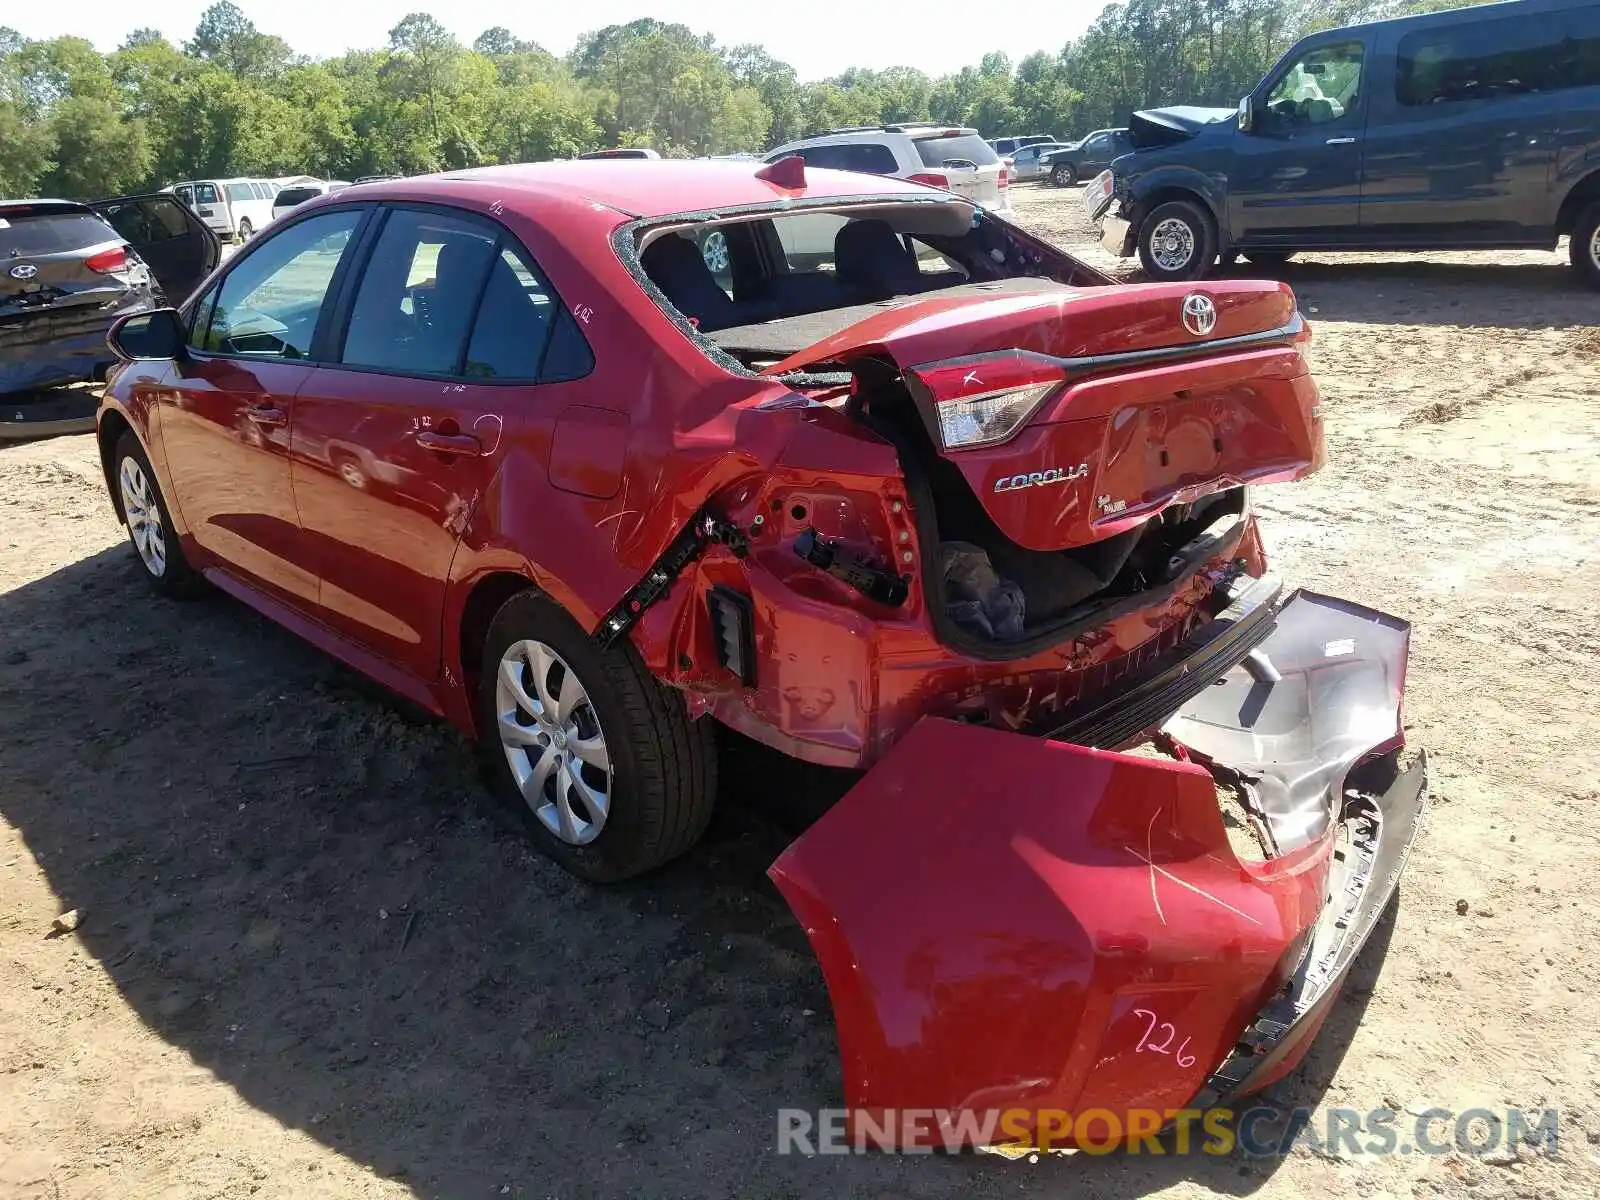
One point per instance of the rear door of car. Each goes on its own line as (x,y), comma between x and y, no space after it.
(177,246)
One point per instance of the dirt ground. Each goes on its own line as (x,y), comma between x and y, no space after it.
(309,964)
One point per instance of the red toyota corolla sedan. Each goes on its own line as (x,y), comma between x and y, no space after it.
(592,459)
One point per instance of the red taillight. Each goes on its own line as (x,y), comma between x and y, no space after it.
(108,261)
(984,400)
(931,178)
(1005,176)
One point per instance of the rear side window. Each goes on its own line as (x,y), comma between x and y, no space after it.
(1580,66)
(514,322)
(955,151)
(289,197)
(240,191)
(51,233)
(870,158)
(523,331)
(418,293)
(1480,60)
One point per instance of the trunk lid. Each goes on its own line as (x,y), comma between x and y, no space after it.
(1074,415)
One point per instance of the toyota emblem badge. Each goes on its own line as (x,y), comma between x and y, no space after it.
(1199,314)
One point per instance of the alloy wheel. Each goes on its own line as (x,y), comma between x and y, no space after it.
(144,517)
(715,252)
(553,742)
(1594,248)
(1172,244)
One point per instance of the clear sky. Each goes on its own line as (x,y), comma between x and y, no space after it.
(817,37)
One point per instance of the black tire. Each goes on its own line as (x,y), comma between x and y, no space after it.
(1585,247)
(245,230)
(663,765)
(174,576)
(1268,258)
(1063,175)
(1175,216)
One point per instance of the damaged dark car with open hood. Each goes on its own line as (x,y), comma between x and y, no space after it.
(1471,129)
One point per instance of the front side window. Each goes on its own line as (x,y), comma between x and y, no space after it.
(269,303)
(1482,60)
(418,293)
(1319,89)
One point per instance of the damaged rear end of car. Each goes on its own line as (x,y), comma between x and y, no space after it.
(978,522)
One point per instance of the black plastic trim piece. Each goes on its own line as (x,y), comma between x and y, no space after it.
(704,529)
(733,621)
(1207,654)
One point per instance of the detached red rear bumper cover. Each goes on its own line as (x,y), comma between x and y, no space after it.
(1010,924)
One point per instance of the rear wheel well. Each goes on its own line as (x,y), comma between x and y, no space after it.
(486,599)
(112,426)
(1579,198)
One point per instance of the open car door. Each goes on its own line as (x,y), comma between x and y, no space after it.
(175,243)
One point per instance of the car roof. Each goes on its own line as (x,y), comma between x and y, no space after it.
(640,187)
(43,204)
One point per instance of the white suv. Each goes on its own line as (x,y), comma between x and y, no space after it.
(956,160)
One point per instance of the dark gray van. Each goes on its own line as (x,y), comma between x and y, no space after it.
(1476,128)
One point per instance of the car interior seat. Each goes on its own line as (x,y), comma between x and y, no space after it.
(874,263)
(675,266)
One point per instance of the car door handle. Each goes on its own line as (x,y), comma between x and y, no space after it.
(265,414)
(1344,141)
(449,443)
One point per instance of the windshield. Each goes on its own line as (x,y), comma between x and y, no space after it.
(775,282)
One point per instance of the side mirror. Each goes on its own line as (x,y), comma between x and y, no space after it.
(1247,114)
(154,335)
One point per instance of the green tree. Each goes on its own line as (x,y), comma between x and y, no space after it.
(227,37)
(97,153)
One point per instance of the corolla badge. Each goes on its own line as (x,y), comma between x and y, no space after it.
(1013,483)
(24,271)
(1199,314)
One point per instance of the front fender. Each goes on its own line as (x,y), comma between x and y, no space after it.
(1210,187)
